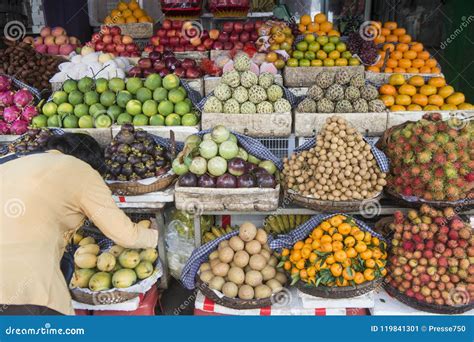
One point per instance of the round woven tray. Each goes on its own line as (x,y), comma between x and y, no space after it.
(433,308)
(329,206)
(101,298)
(233,303)
(466,204)
(339,292)
(136,188)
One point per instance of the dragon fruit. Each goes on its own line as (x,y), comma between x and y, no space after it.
(6,98)
(4,128)
(28,113)
(11,113)
(5,83)
(23,97)
(19,127)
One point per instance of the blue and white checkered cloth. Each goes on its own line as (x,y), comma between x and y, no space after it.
(4,148)
(254,147)
(382,160)
(20,85)
(193,95)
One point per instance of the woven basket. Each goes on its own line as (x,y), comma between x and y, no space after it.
(233,303)
(466,204)
(328,206)
(339,292)
(136,188)
(102,298)
(433,308)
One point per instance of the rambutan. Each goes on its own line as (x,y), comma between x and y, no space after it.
(418,148)
(439,158)
(438,172)
(462,142)
(449,147)
(417,183)
(397,151)
(442,138)
(463,157)
(415,170)
(432,146)
(452,156)
(452,192)
(430,127)
(426,176)
(405,174)
(438,196)
(400,140)
(427,137)
(450,171)
(428,196)
(413,141)
(407,147)
(396,170)
(409,158)
(406,132)
(442,126)
(418,192)
(407,191)
(424,157)
(398,181)
(453,133)
(469,177)
(437,185)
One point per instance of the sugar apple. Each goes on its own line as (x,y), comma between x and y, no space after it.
(248,79)
(360,106)
(335,92)
(324,79)
(231,106)
(231,78)
(242,62)
(266,79)
(213,105)
(342,77)
(315,92)
(282,106)
(222,92)
(325,106)
(307,106)
(248,108)
(264,107)
(344,106)
(368,92)
(376,106)
(257,94)
(274,92)
(357,80)
(352,93)
(240,94)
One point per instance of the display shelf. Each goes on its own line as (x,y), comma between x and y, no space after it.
(249,15)
(152,200)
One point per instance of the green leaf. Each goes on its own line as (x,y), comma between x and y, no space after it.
(318,281)
(295,277)
(280,264)
(349,271)
(187,160)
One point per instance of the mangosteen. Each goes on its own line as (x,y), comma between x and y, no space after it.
(127,127)
(149,146)
(127,169)
(33,132)
(121,158)
(115,168)
(134,159)
(137,147)
(125,137)
(122,148)
(139,168)
(140,134)
(160,162)
(158,151)
(122,178)
(146,157)
(150,165)
(133,177)
(149,174)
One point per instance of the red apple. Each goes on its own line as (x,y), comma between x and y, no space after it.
(161,33)
(159,48)
(155,40)
(218,45)
(159,65)
(249,27)
(110,47)
(208,43)
(174,41)
(171,33)
(105,29)
(115,30)
(238,27)
(195,41)
(144,63)
(154,56)
(204,35)
(228,45)
(99,46)
(135,72)
(179,33)
(180,72)
(96,37)
(258,24)
(214,34)
(188,63)
(135,54)
(223,37)
(125,54)
(107,38)
(193,73)
(147,72)
(164,41)
(244,37)
(117,39)
(129,47)
(176,24)
(254,36)
(189,47)
(183,41)
(201,47)
(127,40)
(228,27)
(166,24)
(179,48)
(238,45)
(234,37)
(121,47)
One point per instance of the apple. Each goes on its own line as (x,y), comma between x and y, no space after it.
(120,47)
(154,56)
(115,30)
(228,46)
(214,34)
(179,48)
(174,41)
(183,41)
(238,27)
(195,41)
(217,45)
(193,73)
(176,24)
(223,37)
(228,27)
(180,72)
(159,48)
(129,47)
(208,43)
(179,33)
(159,65)
(238,45)
(234,37)
(49,40)
(107,38)
(254,36)
(258,24)
(147,72)
(125,54)
(170,33)
(166,24)
(155,40)
(117,39)
(249,27)
(45,31)
(110,47)
(164,41)
(144,63)
(38,41)
(105,29)
(127,40)
(161,33)
(148,48)
(188,63)
(204,35)
(58,31)
(244,37)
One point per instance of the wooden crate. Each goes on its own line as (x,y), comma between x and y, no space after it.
(196,55)
(397,118)
(180,132)
(102,135)
(379,78)
(373,124)
(254,125)
(210,82)
(305,76)
(217,53)
(137,30)
(243,199)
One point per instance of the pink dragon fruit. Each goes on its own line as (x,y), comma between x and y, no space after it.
(11,113)
(28,113)
(23,97)
(5,83)
(19,127)
(6,98)
(4,127)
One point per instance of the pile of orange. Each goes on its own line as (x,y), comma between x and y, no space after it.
(320,25)
(336,253)
(404,56)
(127,13)
(401,94)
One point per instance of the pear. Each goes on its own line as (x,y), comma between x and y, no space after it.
(129,258)
(124,278)
(100,281)
(77,238)
(106,262)
(116,250)
(81,277)
(144,269)
(86,260)
(149,254)
(88,249)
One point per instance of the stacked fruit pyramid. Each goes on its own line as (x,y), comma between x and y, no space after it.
(127,13)
(320,25)
(432,159)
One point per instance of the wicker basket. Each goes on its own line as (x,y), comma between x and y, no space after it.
(328,206)
(233,303)
(433,308)
(136,188)
(465,204)
(102,298)
(339,292)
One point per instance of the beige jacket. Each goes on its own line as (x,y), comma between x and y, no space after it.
(44,198)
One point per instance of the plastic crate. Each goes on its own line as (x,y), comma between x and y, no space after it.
(279,146)
(99,9)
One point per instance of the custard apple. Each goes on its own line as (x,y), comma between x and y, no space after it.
(242,62)
(376,106)
(222,92)
(248,108)
(213,105)
(240,94)
(231,106)
(360,106)
(335,92)
(342,77)
(325,106)
(352,93)
(266,79)
(324,79)
(248,79)
(231,78)
(344,106)
(307,106)
(257,94)
(274,92)
(282,106)
(315,92)
(264,107)
(369,92)
(357,80)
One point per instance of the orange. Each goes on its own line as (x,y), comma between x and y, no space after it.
(456,99)
(403,100)
(404,63)
(397,108)
(367,254)
(133,5)
(436,100)
(410,54)
(391,25)
(358,278)
(399,31)
(287,265)
(427,90)
(298,245)
(334,33)
(359,236)
(285,252)
(435,70)
(373,68)
(138,13)
(330,260)
(308,241)
(351,252)
(406,38)
(354,230)
(416,81)
(337,237)
(385,31)
(382,55)
(369,274)
(387,89)
(431,63)
(348,273)
(388,70)
(311,271)
(335,221)
(294,270)
(418,47)
(340,256)
(425,70)
(325,26)
(424,55)
(325,225)
(430,107)
(127,13)
(391,38)
(413,70)
(342,282)
(389,47)
(370,263)
(392,63)
(108,20)
(349,241)
(388,100)
(420,99)
(313,257)
(376,253)
(295,256)
(271,57)
(300,264)
(400,70)
(326,247)
(326,238)
(380,39)
(301,28)
(360,247)
(344,228)
(320,18)
(122,6)
(305,253)
(396,79)
(437,82)
(414,107)
(303,274)
(417,63)
(445,91)
(407,89)
(465,106)
(396,55)
(402,47)
(313,27)
(115,13)
(317,233)
(336,270)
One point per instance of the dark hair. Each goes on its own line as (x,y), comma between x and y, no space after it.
(81,146)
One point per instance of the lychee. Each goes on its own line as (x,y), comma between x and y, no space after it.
(439,247)
(458,252)
(443,262)
(465,233)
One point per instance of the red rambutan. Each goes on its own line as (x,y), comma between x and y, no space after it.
(415,170)
(439,158)
(426,176)
(424,157)
(437,185)
(427,137)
